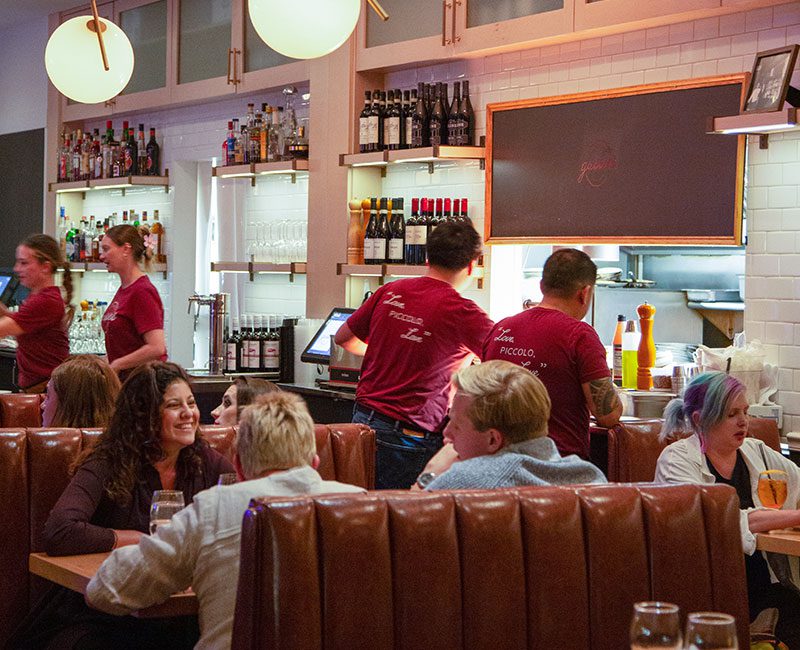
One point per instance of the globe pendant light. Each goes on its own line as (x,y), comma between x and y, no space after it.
(306,29)
(89,59)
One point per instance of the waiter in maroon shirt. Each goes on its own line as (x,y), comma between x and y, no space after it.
(414,334)
(552,341)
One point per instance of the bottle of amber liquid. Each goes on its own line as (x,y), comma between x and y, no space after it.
(157,231)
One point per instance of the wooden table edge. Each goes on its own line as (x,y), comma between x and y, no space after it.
(779,541)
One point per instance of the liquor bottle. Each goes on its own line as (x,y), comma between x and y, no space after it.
(61,230)
(98,237)
(117,157)
(420,136)
(153,155)
(238,151)
(69,242)
(76,157)
(382,234)
(229,144)
(157,231)
(409,103)
(437,122)
(64,160)
(370,233)
(97,156)
(467,118)
(363,123)
(141,148)
(250,122)
(298,144)
(397,234)
(275,147)
(108,150)
(263,145)
(254,135)
(454,117)
(131,154)
(86,157)
(394,117)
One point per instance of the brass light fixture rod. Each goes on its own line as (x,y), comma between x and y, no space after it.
(376,6)
(94,25)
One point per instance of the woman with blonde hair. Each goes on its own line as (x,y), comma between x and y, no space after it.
(134,321)
(40,325)
(81,393)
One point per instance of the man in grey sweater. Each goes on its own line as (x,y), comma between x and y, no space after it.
(498,431)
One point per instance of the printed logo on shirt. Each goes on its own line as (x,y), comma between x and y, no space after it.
(394,300)
(111,312)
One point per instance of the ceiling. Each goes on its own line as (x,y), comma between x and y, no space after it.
(13,12)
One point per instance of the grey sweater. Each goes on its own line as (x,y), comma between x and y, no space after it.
(533,462)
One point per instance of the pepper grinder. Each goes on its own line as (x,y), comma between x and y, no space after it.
(646,355)
(355,234)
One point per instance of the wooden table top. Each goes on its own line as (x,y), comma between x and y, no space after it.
(780,541)
(75,571)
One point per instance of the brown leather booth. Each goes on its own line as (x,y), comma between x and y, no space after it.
(35,470)
(634,448)
(20,410)
(541,567)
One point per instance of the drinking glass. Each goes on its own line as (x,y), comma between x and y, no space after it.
(772,488)
(711,631)
(165,504)
(227,479)
(655,625)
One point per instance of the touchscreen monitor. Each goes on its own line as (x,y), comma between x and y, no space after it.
(7,285)
(318,349)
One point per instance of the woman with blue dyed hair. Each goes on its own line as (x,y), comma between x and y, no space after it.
(714,409)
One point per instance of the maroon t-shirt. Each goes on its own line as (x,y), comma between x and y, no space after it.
(134,311)
(419,332)
(564,353)
(44,343)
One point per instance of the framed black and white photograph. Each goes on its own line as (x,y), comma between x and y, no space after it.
(769,82)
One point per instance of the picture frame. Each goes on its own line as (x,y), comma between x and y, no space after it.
(769,81)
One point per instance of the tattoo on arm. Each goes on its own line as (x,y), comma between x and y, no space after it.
(604,396)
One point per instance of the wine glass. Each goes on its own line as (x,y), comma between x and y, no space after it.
(655,625)
(165,504)
(772,488)
(711,631)
(228,478)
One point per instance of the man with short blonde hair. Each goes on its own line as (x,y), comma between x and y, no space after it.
(498,429)
(275,456)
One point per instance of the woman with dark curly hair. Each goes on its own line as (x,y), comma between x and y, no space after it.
(152,443)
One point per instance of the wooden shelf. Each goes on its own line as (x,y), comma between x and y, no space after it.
(395,271)
(255,268)
(254,170)
(756,124)
(429,155)
(371,270)
(121,182)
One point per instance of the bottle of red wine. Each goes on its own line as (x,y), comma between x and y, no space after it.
(419,121)
(381,120)
(427,222)
(382,235)
(437,122)
(363,123)
(393,120)
(447,216)
(467,118)
(373,124)
(387,118)
(397,234)
(371,232)
(464,216)
(406,124)
(454,117)
(411,232)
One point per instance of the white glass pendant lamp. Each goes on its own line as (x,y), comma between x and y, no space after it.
(87,65)
(306,29)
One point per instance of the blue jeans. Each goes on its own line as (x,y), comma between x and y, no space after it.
(399,458)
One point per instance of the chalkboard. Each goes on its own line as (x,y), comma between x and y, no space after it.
(21,201)
(634,165)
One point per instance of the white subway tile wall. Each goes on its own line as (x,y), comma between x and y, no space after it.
(711,46)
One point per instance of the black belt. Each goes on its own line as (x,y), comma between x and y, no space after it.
(398,425)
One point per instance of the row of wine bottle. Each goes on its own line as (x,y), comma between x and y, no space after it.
(254,344)
(391,239)
(423,117)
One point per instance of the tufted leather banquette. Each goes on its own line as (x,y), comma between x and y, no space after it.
(634,448)
(35,470)
(540,567)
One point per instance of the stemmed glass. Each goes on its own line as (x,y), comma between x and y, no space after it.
(711,631)
(165,504)
(655,625)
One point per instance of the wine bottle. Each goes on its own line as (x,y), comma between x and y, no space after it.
(409,103)
(373,123)
(411,233)
(363,123)
(464,208)
(394,119)
(454,117)
(397,234)
(141,149)
(423,232)
(467,118)
(131,154)
(447,215)
(437,122)
(370,233)
(420,136)
(382,234)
